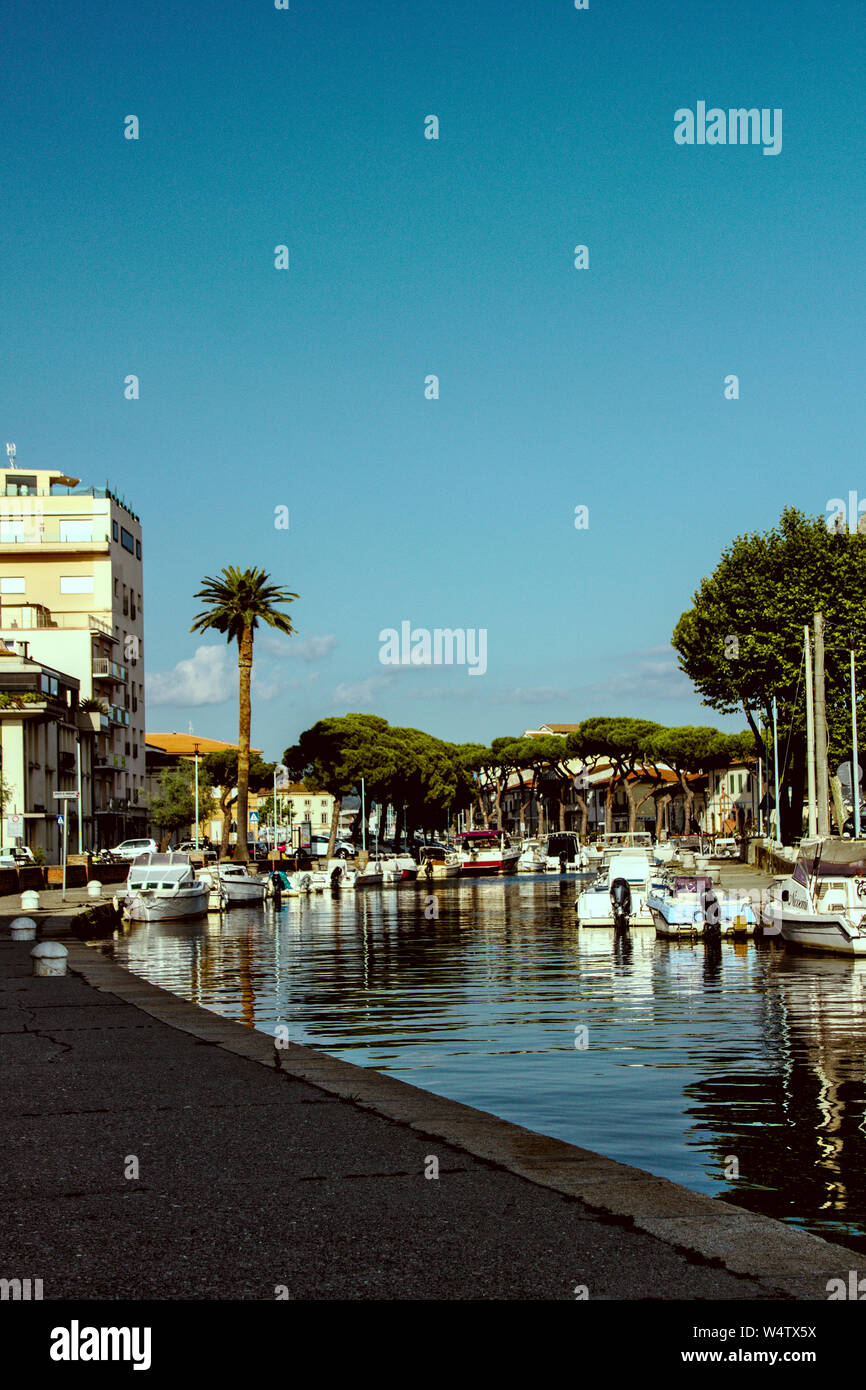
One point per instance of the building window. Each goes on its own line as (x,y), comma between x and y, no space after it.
(138,550)
(126,540)
(9,585)
(114,530)
(76,583)
(116,590)
(125,602)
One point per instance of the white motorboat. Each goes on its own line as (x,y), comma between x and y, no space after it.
(562,852)
(486,852)
(341,875)
(164,888)
(595,904)
(663,852)
(822,905)
(399,868)
(371,875)
(240,886)
(531,859)
(443,862)
(691,905)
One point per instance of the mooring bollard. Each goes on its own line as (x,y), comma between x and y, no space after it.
(94,888)
(30,900)
(49,958)
(22,929)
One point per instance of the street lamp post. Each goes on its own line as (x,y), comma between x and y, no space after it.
(196,754)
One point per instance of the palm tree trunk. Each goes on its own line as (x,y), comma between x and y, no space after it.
(245,666)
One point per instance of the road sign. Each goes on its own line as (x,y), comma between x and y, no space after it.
(254,817)
(66,796)
(60,820)
(14,826)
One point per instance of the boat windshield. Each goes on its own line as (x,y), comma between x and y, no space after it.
(562,844)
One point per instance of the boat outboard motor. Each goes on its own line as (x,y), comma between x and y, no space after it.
(620,897)
(711,912)
(277,890)
(336,877)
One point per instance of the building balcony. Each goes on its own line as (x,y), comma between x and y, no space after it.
(24,616)
(118,716)
(109,670)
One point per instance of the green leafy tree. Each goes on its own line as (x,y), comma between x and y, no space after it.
(741,642)
(235,606)
(623,741)
(172,807)
(222,769)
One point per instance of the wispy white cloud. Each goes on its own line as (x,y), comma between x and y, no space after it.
(307,648)
(206,678)
(362,692)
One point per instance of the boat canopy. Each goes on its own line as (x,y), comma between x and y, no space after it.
(830,858)
(693,883)
(160,870)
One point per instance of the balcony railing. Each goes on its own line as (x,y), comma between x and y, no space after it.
(110,670)
(37,615)
(118,716)
(29,531)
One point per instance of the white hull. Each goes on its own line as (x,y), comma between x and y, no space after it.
(149,906)
(823,933)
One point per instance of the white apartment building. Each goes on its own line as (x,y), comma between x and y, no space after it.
(71,597)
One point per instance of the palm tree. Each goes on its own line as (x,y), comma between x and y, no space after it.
(235,604)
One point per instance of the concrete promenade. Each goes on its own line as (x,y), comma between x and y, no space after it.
(310,1175)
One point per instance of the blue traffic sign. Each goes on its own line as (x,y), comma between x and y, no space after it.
(60,820)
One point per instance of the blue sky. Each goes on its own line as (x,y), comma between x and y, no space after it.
(410,257)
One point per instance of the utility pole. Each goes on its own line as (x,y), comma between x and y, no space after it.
(822,777)
(855,762)
(778,835)
(810,736)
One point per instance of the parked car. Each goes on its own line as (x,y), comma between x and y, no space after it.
(204,848)
(131,849)
(20,854)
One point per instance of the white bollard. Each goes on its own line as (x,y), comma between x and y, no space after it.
(22,929)
(94,888)
(49,958)
(30,900)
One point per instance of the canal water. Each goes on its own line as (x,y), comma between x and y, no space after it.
(736,1069)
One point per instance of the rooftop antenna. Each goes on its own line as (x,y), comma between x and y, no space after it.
(10,450)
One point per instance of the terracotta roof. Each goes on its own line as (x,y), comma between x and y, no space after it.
(184,745)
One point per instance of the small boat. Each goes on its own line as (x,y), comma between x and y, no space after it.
(341,875)
(821,906)
(443,861)
(691,905)
(562,852)
(486,852)
(399,868)
(164,888)
(531,859)
(595,904)
(371,875)
(240,886)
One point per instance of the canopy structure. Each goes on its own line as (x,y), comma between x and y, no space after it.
(830,858)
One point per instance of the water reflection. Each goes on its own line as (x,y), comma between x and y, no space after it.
(696,1055)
